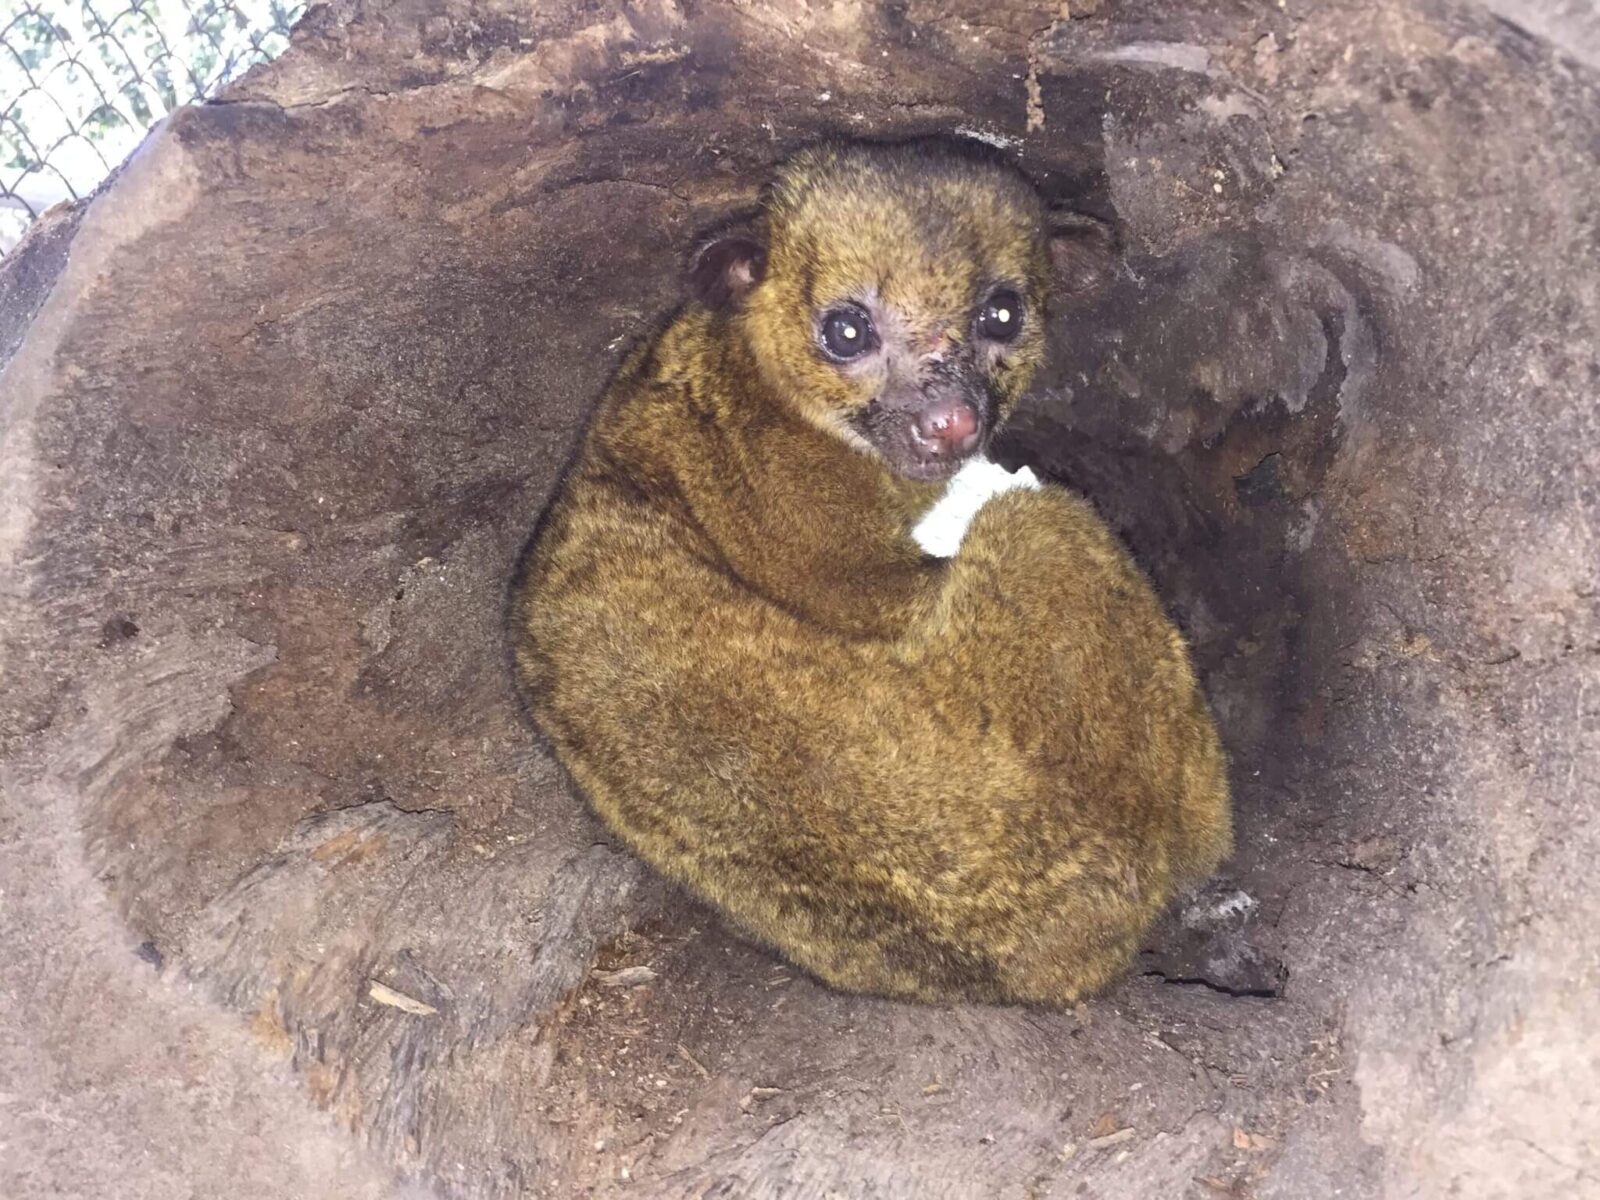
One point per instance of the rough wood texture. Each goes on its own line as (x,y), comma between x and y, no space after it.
(279,406)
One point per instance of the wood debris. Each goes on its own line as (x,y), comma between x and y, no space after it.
(1111,1139)
(683,1053)
(382,993)
(627,977)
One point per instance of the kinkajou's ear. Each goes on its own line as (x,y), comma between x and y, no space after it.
(727,265)
(1085,251)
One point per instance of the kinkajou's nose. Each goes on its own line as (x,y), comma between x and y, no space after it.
(948,427)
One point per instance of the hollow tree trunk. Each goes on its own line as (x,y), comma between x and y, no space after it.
(281,403)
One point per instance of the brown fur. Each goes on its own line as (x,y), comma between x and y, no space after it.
(973,778)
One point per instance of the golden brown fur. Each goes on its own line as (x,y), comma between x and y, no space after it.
(973,778)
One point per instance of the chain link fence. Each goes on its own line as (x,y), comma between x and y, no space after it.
(81,81)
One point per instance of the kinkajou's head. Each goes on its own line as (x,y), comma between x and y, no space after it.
(896,294)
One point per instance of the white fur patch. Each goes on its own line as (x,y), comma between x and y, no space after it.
(944,525)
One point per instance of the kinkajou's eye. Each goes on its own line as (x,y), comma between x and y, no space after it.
(847,332)
(1000,318)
